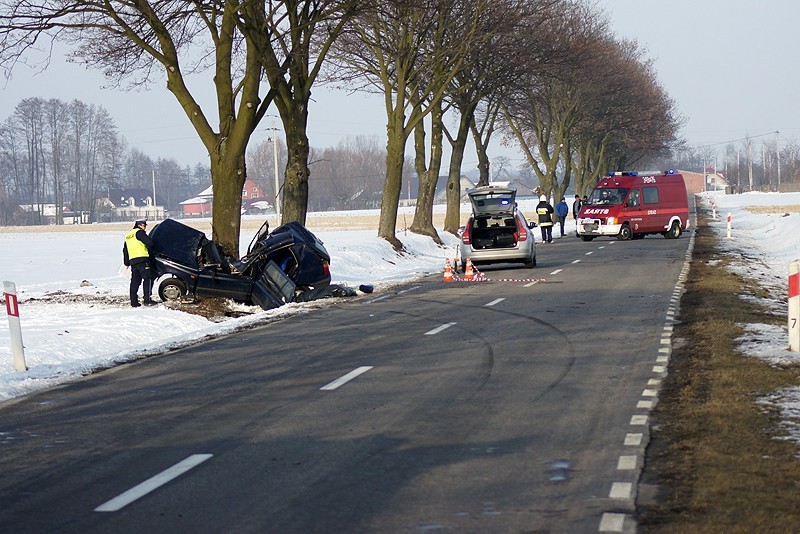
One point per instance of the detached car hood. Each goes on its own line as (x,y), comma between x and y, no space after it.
(492,200)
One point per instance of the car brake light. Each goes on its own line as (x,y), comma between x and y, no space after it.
(523,232)
(326,268)
(465,236)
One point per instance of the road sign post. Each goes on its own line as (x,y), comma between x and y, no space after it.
(12,308)
(794,306)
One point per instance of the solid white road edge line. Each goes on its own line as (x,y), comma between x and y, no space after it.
(342,380)
(438,329)
(153,483)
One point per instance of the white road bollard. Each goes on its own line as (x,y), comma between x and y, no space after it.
(794,306)
(12,308)
(714,211)
(729,225)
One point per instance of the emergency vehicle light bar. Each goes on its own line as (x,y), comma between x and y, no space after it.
(636,173)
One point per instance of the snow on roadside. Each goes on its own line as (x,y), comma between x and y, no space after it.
(766,243)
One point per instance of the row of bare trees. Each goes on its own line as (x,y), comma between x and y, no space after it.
(70,153)
(545,72)
(51,150)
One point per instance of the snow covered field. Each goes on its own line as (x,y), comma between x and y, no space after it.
(70,329)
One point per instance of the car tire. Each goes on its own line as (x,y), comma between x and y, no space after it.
(172,289)
(674,231)
(531,263)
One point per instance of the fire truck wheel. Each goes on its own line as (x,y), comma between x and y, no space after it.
(674,231)
(625,232)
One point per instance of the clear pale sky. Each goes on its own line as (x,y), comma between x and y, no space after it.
(731,66)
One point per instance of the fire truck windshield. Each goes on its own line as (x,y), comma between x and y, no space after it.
(611,195)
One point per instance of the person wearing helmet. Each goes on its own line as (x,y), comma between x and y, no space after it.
(136,254)
(545,212)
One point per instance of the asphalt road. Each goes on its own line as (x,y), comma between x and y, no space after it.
(511,406)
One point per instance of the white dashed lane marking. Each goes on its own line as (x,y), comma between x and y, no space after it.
(626,463)
(152,483)
(621,490)
(633,440)
(438,329)
(495,301)
(612,522)
(342,380)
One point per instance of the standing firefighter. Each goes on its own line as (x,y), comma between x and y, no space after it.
(545,212)
(136,254)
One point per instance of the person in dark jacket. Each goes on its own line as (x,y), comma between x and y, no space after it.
(545,212)
(136,254)
(577,204)
(576,207)
(562,210)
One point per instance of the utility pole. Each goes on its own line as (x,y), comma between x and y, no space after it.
(778,150)
(750,162)
(275,161)
(155,210)
(738,172)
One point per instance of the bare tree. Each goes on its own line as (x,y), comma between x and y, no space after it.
(293,38)
(391,44)
(136,42)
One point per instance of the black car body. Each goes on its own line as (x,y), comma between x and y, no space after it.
(278,266)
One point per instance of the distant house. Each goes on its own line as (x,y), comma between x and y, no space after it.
(441,190)
(697,182)
(253,200)
(129,205)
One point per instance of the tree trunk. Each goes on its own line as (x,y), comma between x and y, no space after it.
(483,158)
(423,214)
(392,184)
(228,174)
(452,218)
(294,203)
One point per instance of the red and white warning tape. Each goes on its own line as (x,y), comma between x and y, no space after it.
(480,277)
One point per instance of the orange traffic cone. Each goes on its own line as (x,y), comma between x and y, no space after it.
(469,274)
(448,271)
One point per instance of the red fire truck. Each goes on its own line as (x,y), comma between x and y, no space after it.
(627,205)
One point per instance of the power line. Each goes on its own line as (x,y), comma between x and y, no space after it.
(736,140)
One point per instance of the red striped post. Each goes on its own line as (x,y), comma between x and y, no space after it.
(12,309)
(729,225)
(794,306)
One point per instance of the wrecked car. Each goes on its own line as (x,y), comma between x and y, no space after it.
(286,265)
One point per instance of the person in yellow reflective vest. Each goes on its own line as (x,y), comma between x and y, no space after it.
(545,212)
(136,254)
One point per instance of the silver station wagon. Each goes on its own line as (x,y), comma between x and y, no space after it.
(497,231)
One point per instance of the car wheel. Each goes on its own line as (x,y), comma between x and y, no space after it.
(674,231)
(625,233)
(172,289)
(531,263)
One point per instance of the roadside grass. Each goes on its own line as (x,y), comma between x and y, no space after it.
(715,462)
